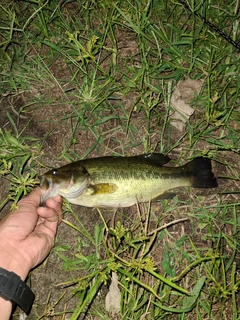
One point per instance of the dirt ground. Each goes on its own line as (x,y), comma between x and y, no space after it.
(46,278)
(45,123)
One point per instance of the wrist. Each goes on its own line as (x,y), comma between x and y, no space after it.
(13,261)
(13,289)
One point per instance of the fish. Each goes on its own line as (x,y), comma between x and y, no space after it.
(115,181)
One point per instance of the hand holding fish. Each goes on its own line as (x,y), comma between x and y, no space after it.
(26,237)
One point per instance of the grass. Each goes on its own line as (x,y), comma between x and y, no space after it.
(99,76)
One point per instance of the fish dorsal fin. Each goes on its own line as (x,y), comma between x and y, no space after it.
(157,159)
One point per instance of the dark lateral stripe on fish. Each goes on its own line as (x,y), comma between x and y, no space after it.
(199,170)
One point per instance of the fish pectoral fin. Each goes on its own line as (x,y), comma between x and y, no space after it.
(165,195)
(101,188)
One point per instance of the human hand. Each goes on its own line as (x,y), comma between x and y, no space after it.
(27,234)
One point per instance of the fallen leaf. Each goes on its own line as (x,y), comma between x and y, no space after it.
(182,95)
(113,297)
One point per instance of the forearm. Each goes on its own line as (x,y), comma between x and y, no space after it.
(5,309)
(12,264)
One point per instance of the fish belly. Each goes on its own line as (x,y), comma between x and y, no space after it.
(128,193)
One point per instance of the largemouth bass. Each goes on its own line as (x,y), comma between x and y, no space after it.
(111,182)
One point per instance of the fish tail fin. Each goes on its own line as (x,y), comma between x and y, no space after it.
(200,170)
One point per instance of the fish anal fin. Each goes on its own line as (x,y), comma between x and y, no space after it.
(101,188)
(165,195)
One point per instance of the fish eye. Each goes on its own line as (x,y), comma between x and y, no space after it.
(55,172)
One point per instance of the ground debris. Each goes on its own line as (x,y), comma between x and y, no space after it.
(181,97)
(113,297)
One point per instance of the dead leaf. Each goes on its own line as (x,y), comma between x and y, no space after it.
(182,95)
(113,297)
